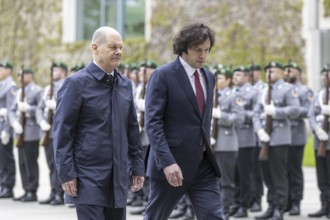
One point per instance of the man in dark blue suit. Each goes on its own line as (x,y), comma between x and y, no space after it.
(178,120)
(96,134)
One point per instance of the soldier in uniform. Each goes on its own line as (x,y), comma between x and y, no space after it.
(284,105)
(59,72)
(246,140)
(316,114)
(228,113)
(28,152)
(298,138)
(7,162)
(257,182)
(146,68)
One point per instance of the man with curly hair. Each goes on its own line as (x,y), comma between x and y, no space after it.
(178,119)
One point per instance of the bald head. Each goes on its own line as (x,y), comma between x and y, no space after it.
(106,47)
(101,34)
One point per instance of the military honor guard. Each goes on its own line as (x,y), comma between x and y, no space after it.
(22,119)
(246,140)
(298,137)
(257,181)
(279,104)
(228,113)
(146,68)
(318,115)
(7,163)
(44,115)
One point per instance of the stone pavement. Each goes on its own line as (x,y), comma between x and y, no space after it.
(10,210)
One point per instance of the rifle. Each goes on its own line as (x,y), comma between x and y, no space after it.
(50,114)
(215,120)
(263,155)
(251,73)
(143,92)
(20,139)
(321,152)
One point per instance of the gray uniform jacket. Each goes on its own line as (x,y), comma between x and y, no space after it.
(287,105)
(7,95)
(231,114)
(245,131)
(33,94)
(298,127)
(259,85)
(42,110)
(315,117)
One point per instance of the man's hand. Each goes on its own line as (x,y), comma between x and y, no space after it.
(325,109)
(70,187)
(138,182)
(173,175)
(270,110)
(5,137)
(17,127)
(44,125)
(23,106)
(50,104)
(3,112)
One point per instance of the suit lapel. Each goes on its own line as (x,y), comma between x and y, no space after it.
(184,82)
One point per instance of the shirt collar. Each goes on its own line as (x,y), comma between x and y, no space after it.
(189,69)
(112,73)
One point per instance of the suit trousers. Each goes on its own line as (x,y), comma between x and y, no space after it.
(7,165)
(227,161)
(203,192)
(257,187)
(323,176)
(275,173)
(55,181)
(245,176)
(94,212)
(28,165)
(296,177)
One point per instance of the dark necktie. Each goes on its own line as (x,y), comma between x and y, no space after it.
(108,79)
(199,93)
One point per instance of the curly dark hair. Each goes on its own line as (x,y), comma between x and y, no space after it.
(191,36)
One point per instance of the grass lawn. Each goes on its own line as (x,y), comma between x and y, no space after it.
(309,157)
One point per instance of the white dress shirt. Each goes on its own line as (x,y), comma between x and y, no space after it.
(190,73)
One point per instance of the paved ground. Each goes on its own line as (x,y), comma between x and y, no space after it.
(10,210)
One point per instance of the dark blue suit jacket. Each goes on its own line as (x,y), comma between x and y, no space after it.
(96,137)
(174,124)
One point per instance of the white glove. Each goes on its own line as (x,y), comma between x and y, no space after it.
(216,113)
(23,106)
(325,109)
(140,104)
(17,127)
(321,134)
(3,112)
(5,137)
(44,125)
(50,104)
(270,110)
(212,141)
(262,135)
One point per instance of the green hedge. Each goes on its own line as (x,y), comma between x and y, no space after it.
(309,157)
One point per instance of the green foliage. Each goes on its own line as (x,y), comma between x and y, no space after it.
(326,5)
(309,154)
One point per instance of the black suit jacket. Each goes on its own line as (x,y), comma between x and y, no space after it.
(174,125)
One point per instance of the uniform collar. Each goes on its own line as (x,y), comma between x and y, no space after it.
(277,83)
(5,81)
